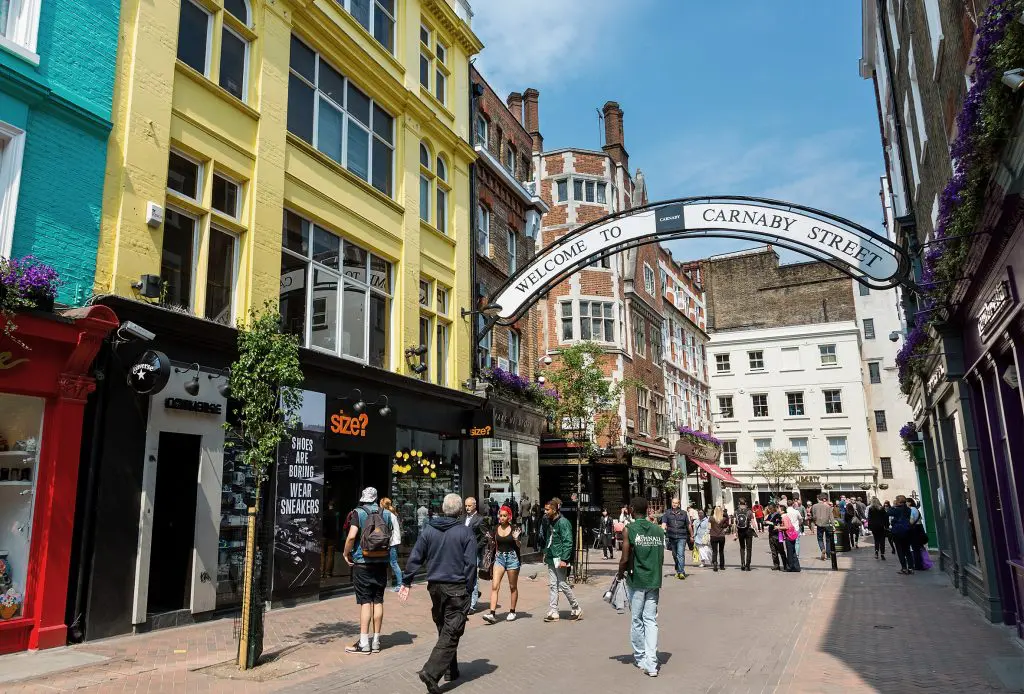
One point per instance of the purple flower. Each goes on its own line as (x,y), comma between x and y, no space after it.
(697,436)
(908,432)
(30,278)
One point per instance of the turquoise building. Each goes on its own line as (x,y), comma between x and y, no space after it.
(57,62)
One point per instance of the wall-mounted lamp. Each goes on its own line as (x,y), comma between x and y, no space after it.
(359,404)
(488,310)
(224,387)
(1014,78)
(386,410)
(192,386)
(413,352)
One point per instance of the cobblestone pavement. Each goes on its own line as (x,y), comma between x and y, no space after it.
(864,628)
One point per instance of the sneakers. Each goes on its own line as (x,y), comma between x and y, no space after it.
(822,557)
(429,681)
(511,617)
(652,673)
(362,649)
(490,618)
(551,617)
(576,613)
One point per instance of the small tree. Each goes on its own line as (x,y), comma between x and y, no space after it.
(778,466)
(583,405)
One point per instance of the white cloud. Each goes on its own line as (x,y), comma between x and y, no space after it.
(538,43)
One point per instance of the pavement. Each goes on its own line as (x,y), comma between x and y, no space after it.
(863,628)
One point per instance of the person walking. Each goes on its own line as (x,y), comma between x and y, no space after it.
(918,538)
(821,516)
(448,548)
(676,525)
(702,538)
(396,542)
(507,561)
(886,506)
(899,526)
(773,523)
(367,551)
(475,522)
(878,524)
(556,556)
(758,510)
(643,554)
(607,534)
(797,518)
(852,523)
(719,524)
(790,535)
(744,522)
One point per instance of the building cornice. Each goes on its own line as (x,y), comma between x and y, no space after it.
(445,15)
(521,191)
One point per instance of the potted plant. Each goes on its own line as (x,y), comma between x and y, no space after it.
(883,486)
(865,486)
(10,603)
(30,283)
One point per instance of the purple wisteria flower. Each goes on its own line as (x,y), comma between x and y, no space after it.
(908,432)
(518,386)
(698,436)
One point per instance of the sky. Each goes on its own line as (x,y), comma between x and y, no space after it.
(742,98)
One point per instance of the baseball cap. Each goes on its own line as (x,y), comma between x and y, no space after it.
(368,496)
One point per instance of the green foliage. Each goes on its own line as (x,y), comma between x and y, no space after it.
(777,467)
(267,365)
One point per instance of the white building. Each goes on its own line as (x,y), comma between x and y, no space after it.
(794,387)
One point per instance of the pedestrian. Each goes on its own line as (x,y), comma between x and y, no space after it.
(702,538)
(758,515)
(624,516)
(396,541)
(886,506)
(899,526)
(719,524)
(821,515)
(676,524)
(790,535)
(878,524)
(449,550)
(692,513)
(556,556)
(330,540)
(475,522)
(773,523)
(643,554)
(367,551)
(808,521)
(851,523)
(507,561)
(745,533)
(918,537)
(607,534)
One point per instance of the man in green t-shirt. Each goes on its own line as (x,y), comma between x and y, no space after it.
(641,562)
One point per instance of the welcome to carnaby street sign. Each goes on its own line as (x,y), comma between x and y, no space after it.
(864,255)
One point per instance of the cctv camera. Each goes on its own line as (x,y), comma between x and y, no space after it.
(547,361)
(894,336)
(137,331)
(1014,78)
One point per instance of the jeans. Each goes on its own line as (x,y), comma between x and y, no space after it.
(395,569)
(643,630)
(793,554)
(746,539)
(821,537)
(718,552)
(778,550)
(449,604)
(557,583)
(678,547)
(476,587)
(879,535)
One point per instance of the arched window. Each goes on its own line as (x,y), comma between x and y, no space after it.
(442,196)
(434,188)
(239,9)
(426,182)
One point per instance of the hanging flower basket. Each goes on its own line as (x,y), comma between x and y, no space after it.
(865,486)
(883,486)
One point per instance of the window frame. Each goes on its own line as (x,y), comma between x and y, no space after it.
(881,425)
(10,182)
(869,328)
(197,229)
(649,285)
(372,29)
(726,410)
(226,27)
(797,402)
(482,137)
(751,359)
(835,460)
(802,451)
(513,251)
(885,467)
(21,34)
(719,361)
(235,267)
(239,192)
(828,351)
(514,338)
(874,375)
(639,325)
(833,398)
(483,230)
(729,454)
(755,406)
(643,411)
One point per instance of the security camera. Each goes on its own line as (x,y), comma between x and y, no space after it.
(136,331)
(1014,78)
(547,360)
(894,336)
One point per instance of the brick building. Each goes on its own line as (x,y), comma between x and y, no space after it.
(508,214)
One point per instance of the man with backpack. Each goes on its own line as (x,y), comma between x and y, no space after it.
(745,533)
(368,552)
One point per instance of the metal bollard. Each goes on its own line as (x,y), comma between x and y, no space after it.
(830,542)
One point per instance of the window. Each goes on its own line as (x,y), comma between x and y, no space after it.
(483,230)
(484,348)
(880,424)
(377,17)
(762,445)
(756,360)
(425,286)
(194,26)
(643,412)
(833,401)
(657,346)
(433,64)
(760,404)
(480,130)
(19,26)
(566,321)
(177,257)
(184,175)
(886,468)
(434,189)
(562,190)
(577,189)
(426,338)
(649,279)
(828,355)
(442,301)
(915,94)
(329,112)
(442,354)
(513,260)
(441,73)
(221,274)
(799,446)
(234,62)
(602,193)
(510,158)
(874,372)
(790,358)
(729,453)
(225,196)
(604,262)
(869,328)
(434,330)
(12,147)
(864,289)
(344,289)
(441,211)
(596,321)
(837,450)
(722,363)
(639,335)
(660,428)
(796,404)
(931,10)
(513,351)
(725,408)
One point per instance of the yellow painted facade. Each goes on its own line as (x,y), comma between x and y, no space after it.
(162,104)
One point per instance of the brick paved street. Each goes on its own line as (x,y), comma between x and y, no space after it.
(864,628)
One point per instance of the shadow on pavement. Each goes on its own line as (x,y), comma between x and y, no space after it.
(663,658)
(398,638)
(472,670)
(325,632)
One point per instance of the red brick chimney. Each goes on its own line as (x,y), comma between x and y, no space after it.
(515,105)
(532,118)
(614,141)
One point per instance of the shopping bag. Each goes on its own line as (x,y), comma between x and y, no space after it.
(926,561)
(696,556)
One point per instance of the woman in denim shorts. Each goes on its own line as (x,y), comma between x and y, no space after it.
(506,561)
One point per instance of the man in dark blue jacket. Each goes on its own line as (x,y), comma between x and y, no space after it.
(449,549)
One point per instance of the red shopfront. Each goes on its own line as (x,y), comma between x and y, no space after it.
(44,384)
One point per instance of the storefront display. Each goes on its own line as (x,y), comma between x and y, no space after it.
(238,493)
(425,469)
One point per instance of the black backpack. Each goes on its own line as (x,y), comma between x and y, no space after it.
(743,520)
(375,535)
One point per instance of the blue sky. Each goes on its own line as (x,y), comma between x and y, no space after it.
(749,98)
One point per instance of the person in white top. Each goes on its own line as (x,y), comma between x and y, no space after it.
(396,541)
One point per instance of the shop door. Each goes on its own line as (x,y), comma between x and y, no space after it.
(174,520)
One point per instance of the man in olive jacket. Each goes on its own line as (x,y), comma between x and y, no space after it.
(557,553)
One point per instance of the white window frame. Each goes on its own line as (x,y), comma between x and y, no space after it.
(209,37)
(727,362)
(22,30)
(838,460)
(197,230)
(729,455)
(482,135)
(483,226)
(838,402)
(643,411)
(911,143)
(726,408)
(238,199)
(800,449)
(200,177)
(754,405)
(751,359)
(558,196)
(798,401)
(10,182)
(245,64)
(513,251)
(514,351)
(915,93)
(649,285)
(931,10)
(372,29)
(235,261)
(834,356)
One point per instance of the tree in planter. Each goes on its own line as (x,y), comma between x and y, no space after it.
(777,467)
(264,382)
(583,406)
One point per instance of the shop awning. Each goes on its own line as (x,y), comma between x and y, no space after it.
(724,475)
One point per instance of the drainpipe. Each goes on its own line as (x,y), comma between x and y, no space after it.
(475,92)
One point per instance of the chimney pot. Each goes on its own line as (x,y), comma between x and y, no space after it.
(531,117)
(515,105)
(614,139)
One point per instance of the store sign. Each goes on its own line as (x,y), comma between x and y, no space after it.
(297,514)
(516,423)
(484,432)
(150,372)
(7,361)
(197,406)
(807,480)
(364,432)
(997,304)
(937,376)
(705,452)
(651,463)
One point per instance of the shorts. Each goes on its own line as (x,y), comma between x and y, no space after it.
(369,581)
(508,561)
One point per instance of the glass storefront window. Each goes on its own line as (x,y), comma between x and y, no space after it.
(20,436)
(417,495)
(238,493)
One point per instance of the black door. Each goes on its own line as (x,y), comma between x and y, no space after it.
(174,522)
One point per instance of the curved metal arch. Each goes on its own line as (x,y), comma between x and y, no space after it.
(540,288)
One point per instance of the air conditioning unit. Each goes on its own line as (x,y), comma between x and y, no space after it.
(630,424)
(502,363)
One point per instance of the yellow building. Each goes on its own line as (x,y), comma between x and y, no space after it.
(315,149)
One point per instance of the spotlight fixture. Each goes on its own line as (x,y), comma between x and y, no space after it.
(359,405)
(192,386)
(224,387)
(489,310)
(1014,79)
(386,410)
(415,351)
(418,368)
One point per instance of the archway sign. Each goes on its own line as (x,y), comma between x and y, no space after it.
(867,257)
